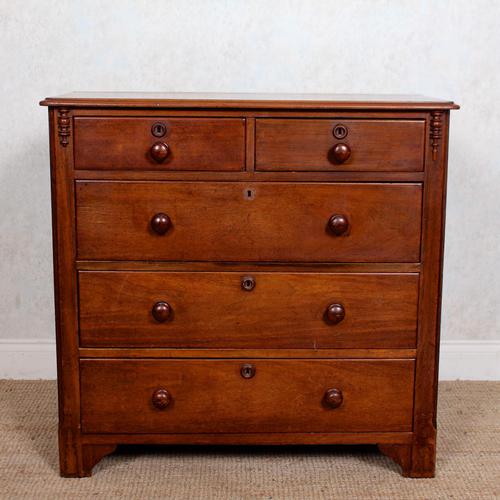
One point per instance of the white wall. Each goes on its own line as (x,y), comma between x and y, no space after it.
(448,49)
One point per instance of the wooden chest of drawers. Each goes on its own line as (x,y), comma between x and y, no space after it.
(241,269)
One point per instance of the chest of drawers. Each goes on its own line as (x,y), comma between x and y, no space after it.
(245,269)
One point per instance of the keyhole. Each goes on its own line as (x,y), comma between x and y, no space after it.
(248,283)
(340,131)
(159,129)
(249,194)
(247,370)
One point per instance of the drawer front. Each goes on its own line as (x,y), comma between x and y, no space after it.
(226,221)
(205,396)
(253,310)
(312,145)
(187,144)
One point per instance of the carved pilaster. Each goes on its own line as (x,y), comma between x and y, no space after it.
(64,126)
(436,125)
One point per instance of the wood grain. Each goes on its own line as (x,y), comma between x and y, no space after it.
(219,222)
(374,145)
(211,396)
(284,310)
(423,452)
(71,458)
(339,267)
(226,353)
(211,100)
(331,206)
(259,176)
(193,143)
(254,438)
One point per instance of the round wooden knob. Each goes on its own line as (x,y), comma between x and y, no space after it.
(160,223)
(333,398)
(161,311)
(335,313)
(159,151)
(338,224)
(341,152)
(161,399)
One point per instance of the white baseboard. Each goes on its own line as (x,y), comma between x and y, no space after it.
(469,360)
(460,359)
(27,359)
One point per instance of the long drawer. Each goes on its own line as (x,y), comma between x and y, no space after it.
(234,221)
(243,396)
(252,310)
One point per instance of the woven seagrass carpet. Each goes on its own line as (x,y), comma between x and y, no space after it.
(468,459)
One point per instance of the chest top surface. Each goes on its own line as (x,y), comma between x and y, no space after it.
(247,100)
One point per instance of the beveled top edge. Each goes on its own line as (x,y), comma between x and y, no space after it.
(246,101)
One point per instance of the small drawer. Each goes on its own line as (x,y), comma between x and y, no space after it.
(247,395)
(233,221)
(159,143)
(252,310)
(340,145)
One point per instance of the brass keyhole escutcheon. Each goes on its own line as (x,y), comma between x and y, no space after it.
(247,370)
(339,131)
(159,129)
(248,283)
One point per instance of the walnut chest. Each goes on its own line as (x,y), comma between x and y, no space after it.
(247,269)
